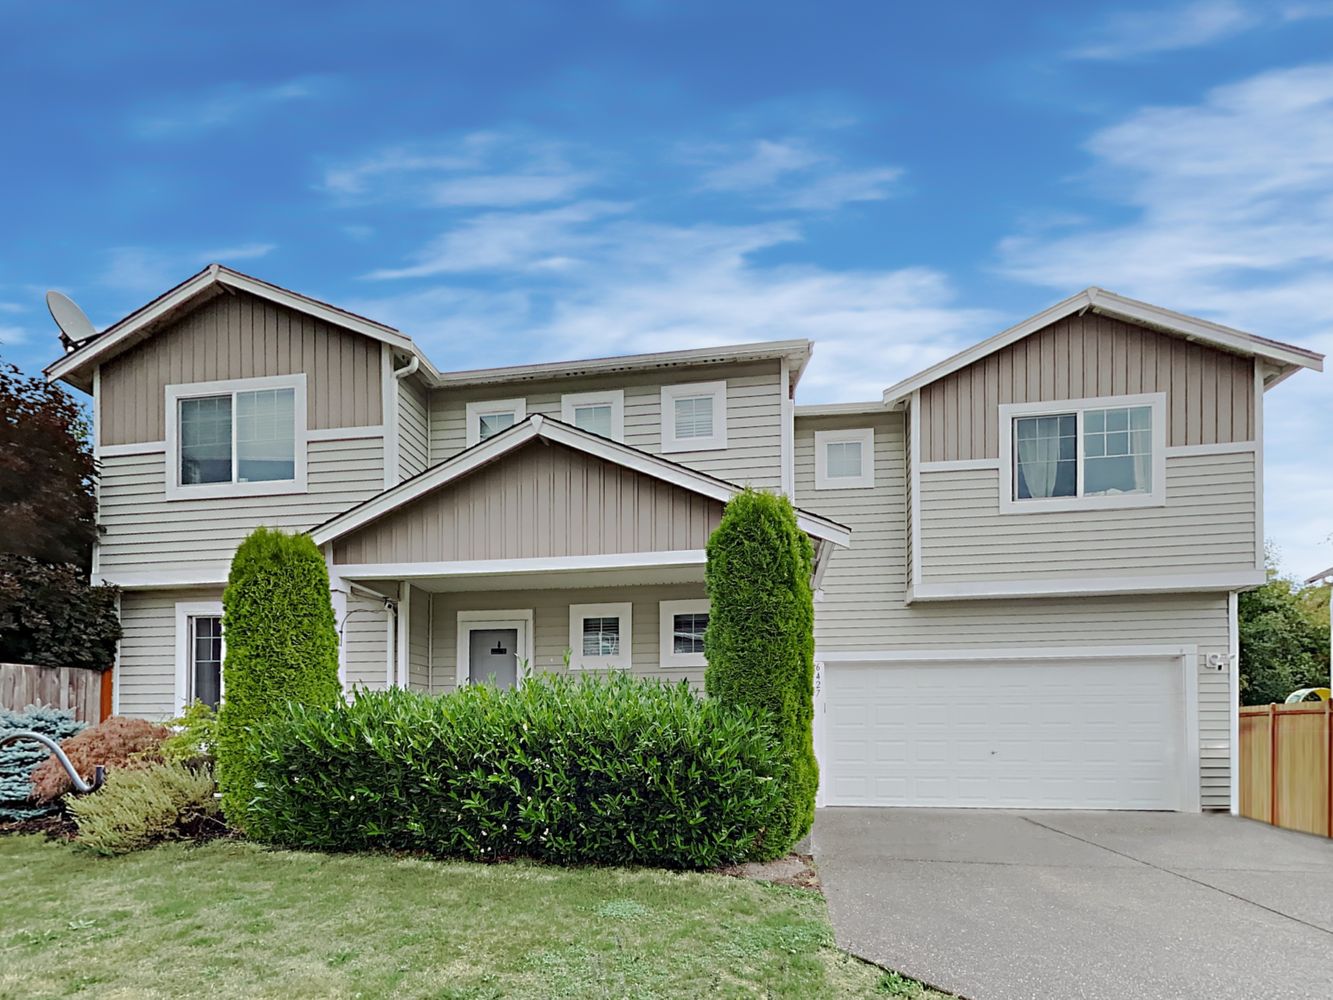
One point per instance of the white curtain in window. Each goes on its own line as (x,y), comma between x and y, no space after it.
(1039,461)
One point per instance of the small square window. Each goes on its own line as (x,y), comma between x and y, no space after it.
(683,624)
(600,413)
(491,417)
(845,460)
(694,416)
(600,636)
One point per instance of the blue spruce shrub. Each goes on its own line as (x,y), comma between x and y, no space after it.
(19,760)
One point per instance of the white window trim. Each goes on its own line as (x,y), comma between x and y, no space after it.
(865,436)
(192,390)
(578,612)
(185,610)
(718,439)
(615,398)
(469,621)
(666,612)
(1010,411)
(488,407)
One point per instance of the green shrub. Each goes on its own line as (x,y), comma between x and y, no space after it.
(193,736)
(760,640)
(19,760)
(282,646)
(610,770)
(138,808)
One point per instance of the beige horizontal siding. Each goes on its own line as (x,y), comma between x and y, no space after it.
(541,500)
(550,626)
(863,605)
(241,336)
(365,632)
(419,630)
(1210,393)
(145,532)
(146,672)
(754,416)
(1207,526)
(413,428)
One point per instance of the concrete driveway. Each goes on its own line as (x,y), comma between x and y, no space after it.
(1063,905)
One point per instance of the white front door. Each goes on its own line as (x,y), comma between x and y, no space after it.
(1081,733)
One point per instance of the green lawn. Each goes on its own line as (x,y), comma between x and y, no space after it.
(231,919)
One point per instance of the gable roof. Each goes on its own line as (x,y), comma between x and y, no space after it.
(549,429)
(77,366)
(1287,358)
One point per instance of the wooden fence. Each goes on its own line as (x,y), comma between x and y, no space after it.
(88,692)
(1286,765)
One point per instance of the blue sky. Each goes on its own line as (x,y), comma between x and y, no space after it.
(519,181)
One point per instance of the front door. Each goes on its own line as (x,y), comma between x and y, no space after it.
(493,656)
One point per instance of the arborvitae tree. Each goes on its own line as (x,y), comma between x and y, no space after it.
(282,646)
(760,640)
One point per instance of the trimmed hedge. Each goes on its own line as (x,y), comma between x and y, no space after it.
(760,641)
(282,646)
(609,770)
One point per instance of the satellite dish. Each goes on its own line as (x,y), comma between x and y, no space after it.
(74,324)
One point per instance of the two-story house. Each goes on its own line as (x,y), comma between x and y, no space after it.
(1027,556)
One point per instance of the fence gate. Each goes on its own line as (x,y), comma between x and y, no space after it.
(1286,765)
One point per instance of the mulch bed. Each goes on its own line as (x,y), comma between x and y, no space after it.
(796,870)
(57,826)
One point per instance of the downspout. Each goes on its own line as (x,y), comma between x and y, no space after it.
(408,369)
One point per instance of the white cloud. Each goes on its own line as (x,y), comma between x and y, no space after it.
(243,251)
(1144,32)
(476,170)
(12,336)
(139,270)
(224,106)
(789,174)
(1230,207)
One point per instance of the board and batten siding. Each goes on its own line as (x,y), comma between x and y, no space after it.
(863,604)
(754,415)
(550,626)
(540,500)
(241,336)
(1206,526)
(145,679)
(1210,393)
(413,428)
(144,532)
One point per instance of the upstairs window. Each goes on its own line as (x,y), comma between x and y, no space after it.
(845,460)
(601,413)
(488,418)
(1087,453)
(694,416)
(237,438)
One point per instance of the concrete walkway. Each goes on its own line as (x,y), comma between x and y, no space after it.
(1082,905)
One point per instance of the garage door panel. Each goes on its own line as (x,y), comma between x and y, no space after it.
(1094,733)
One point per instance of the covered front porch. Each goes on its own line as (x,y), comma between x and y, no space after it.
(542,548)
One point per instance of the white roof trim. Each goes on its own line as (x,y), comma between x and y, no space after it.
(840,409)
(216,274)
(797,351)
(1102,301)
(571,437)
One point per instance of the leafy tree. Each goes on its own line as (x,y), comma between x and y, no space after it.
(760,638)
(47,473)
(1283,638)
(282,647)
(50,617)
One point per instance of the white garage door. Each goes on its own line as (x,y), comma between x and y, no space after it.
(1084,733)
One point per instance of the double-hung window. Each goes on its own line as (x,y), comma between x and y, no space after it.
(244,437)
(487,418)
(694,416)
(845,459)
(600,413)
(600,636)
(682,626)
(1083,453)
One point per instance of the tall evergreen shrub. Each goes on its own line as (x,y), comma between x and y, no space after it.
(282,646)
(760,640)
